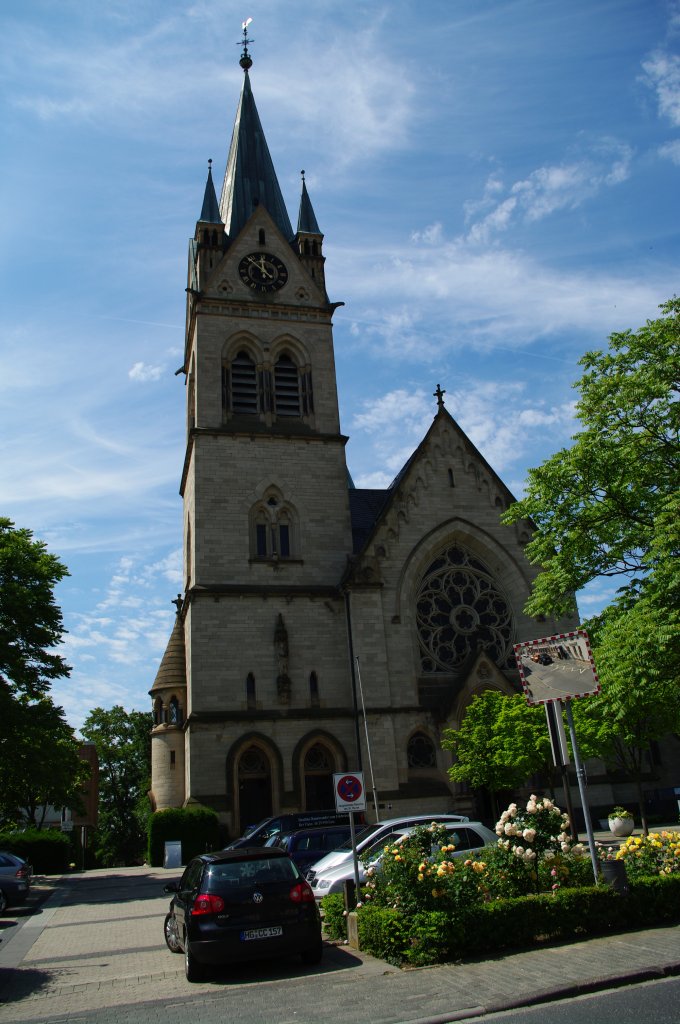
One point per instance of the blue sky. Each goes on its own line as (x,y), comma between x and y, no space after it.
(497,181)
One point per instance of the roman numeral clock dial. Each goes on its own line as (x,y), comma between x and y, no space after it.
(262,272)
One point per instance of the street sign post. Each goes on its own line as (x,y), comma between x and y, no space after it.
(561,668)
(350,796)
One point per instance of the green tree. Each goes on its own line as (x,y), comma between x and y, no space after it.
(30,620)
(44,767)
(500,743)
(123,742)
(609,506)
(604,506)
(639,701)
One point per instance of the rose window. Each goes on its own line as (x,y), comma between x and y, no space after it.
(460,611)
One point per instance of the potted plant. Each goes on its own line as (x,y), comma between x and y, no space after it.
(621,822)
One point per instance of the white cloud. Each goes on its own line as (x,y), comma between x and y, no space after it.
(548,189)
(671,151)
(663,75)
(143,372)
(499,416)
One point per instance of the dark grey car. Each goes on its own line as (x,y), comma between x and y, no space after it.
(243,904)
(15,879)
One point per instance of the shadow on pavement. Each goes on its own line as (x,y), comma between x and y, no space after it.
(109,887)
(252,972)
(16,985)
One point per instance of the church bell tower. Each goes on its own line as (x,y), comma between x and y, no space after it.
(266,518)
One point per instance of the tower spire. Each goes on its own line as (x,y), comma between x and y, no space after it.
(308,239)
(250,179)
(210,211)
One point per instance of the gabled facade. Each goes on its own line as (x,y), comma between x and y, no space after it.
(301,592)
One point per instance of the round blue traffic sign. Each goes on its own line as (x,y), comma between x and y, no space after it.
(350,788)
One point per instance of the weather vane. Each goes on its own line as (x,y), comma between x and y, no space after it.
(245,61)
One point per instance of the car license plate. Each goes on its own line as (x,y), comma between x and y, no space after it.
(262,933)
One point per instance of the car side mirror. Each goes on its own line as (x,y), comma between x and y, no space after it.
(171,887)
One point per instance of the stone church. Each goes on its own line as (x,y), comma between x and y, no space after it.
(315,614)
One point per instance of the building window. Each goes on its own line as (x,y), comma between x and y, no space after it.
(314,689)
(157,711)
(250,690)
(174,712)
(272,529)
(239,386)
(421,752)
(172,758)
(286,387)
(460,610)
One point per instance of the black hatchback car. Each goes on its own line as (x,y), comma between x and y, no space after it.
(243,904)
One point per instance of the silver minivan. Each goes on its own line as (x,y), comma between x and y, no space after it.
(468,837)
(373,835)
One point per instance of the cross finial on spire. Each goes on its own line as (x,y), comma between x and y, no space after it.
(246,60)
(439,395)
(303,175)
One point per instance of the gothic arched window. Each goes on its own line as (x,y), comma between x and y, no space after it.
(286,387)
(273,529)
(460,610)
(174,712)
(250,690)
(421,752)
(314,689)
(239,386)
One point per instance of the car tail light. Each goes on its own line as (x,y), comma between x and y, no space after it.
(302,893)
(207,903)
(21,873)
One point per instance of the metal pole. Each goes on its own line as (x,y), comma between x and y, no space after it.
(355,706)
(580,775)
(368,745)
(354,852)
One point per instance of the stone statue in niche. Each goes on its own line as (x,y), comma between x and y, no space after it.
(283,681)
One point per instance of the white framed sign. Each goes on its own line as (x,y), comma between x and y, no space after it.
(559,667)
(350,794)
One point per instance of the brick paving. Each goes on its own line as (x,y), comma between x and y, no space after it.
(94,952)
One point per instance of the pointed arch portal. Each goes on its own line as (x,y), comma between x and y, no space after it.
(254,787)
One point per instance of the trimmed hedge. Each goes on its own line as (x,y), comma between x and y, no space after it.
(47,850)
(334,920)
(196,827)
(436,937)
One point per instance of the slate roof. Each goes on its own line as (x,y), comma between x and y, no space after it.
(172,669)
(210,211)
(365,506)
(307,223)
(250,178)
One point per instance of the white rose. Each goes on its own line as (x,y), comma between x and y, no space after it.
(529,834)
(565,847)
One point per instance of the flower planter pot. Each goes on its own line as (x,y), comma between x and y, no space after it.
(621,827)
(614,874)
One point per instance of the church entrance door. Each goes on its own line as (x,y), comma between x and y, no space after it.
(254,787)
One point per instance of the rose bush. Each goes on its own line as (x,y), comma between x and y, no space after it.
(655,854)
(420,874)
(535,850)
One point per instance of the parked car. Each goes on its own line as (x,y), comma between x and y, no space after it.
(243,904)
(258,835)
(307,846)
(380,832)
(15,879)
(467,838)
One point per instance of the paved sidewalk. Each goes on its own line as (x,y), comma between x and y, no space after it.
(94,952)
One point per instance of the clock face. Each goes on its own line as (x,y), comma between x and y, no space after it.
(262,272)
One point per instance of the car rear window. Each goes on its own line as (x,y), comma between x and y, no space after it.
(265,869)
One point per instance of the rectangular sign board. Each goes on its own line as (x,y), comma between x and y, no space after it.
(559,667)
(350,794)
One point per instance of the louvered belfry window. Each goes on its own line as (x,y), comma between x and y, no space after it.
(243,385)
(286,387)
